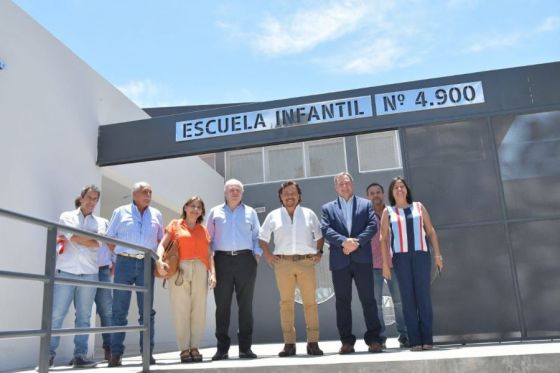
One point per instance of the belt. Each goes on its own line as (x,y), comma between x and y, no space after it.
(101,268)
(234,252)
(134,256)
(296,257)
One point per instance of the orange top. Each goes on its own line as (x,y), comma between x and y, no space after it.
(194,243)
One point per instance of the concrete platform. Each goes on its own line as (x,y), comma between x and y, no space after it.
(526,357)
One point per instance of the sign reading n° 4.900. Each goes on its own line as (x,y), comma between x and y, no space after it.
(429,98)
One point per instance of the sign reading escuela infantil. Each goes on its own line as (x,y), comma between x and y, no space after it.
(314,113)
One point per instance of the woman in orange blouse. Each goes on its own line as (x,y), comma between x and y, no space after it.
(189,286)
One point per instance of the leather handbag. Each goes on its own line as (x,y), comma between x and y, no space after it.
(170,257)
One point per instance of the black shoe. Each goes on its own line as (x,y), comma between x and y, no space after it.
(80,362)
(115,361)
(51,363)
(248,354)
(152,360)
(375,347)
(403,343)
(313,349)
(107,353)
(220,355)
(289,350)
(346,348)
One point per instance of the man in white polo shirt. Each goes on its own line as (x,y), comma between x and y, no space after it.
(77,260)
(298,248)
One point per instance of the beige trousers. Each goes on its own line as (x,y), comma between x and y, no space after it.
(290,274)
(188,302)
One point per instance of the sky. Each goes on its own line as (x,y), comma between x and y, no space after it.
(187,52)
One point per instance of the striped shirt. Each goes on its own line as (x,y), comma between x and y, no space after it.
(407,229)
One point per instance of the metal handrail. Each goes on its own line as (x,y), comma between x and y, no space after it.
(49,280)
(99,237)
(67,331)
(67,281)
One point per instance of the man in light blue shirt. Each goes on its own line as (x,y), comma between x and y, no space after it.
(140,224)
(234,230)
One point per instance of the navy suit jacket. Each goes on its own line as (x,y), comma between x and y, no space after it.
(364,227)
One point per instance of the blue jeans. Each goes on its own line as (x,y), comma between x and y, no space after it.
(104,303)
(130,271)
(393,286)
(83,297)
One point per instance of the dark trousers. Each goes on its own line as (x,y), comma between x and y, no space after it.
(342,281)
(104,304)
(413,272)
(234,273)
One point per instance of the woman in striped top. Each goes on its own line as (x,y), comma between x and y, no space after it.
(404,228)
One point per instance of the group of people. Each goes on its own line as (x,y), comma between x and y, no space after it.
(224,253)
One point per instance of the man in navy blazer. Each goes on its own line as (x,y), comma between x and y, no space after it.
(348,223)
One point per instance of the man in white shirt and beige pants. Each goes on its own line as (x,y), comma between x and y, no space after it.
(298,248)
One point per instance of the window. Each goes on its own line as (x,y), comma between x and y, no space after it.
(245,165)
(284,162)
(528,153)
(378,151)
(287,161)
(325,157)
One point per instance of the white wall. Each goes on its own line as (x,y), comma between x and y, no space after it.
(51,104)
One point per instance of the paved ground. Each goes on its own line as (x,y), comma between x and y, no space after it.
(512,357)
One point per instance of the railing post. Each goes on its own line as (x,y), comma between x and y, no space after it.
(146,348)
(48,291)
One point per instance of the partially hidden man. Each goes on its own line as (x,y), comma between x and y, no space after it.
(298,246)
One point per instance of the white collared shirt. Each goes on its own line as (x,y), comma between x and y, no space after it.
(79,259)
(347,211)
(295,237)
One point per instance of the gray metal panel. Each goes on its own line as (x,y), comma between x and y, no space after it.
(508,90)
(474,294)
(535,248)
(452,171)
